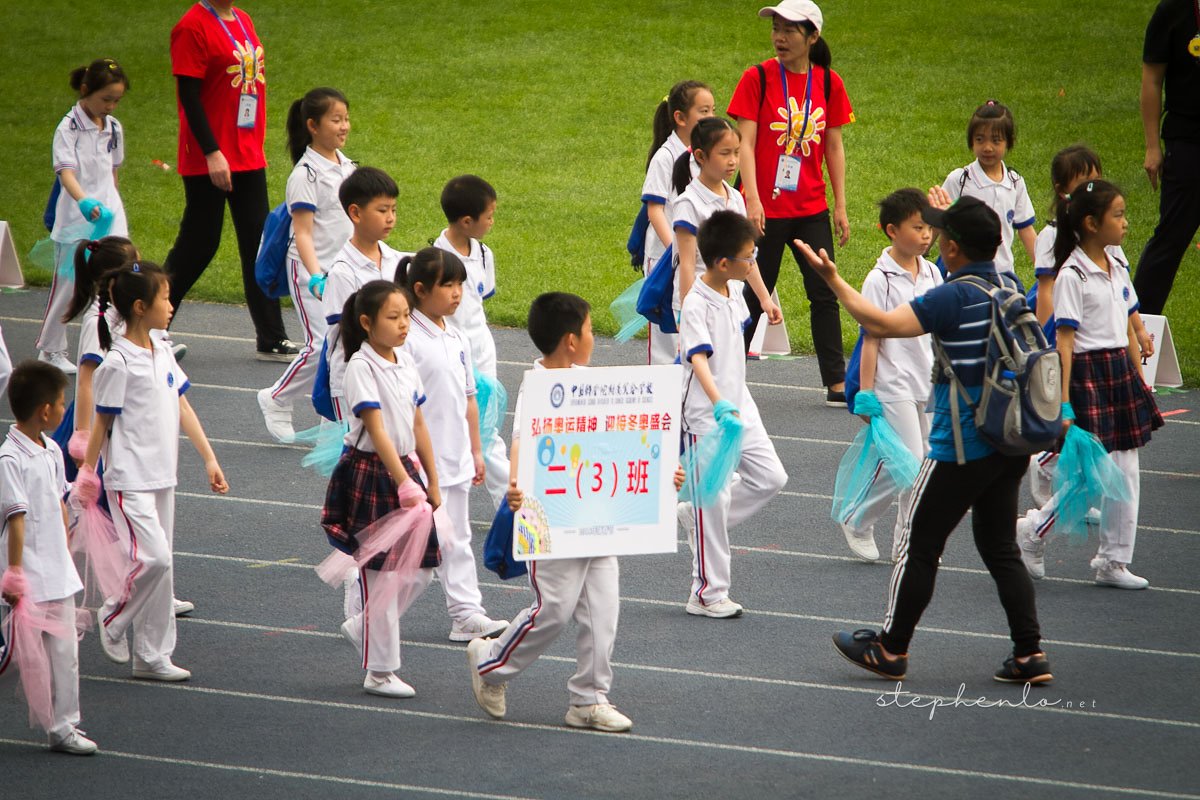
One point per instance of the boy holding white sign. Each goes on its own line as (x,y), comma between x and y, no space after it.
(713,317)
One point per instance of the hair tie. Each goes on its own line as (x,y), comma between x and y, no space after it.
(1089,186)
(990,103)
(1067,198)
(666,97)
(137,267)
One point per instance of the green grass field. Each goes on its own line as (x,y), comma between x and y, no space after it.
(551,102)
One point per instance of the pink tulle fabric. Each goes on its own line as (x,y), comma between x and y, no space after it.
(14,582)
(402,535)
(78,443)
(104,550)
(28,651)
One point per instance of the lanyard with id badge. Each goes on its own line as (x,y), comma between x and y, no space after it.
(247,113)
(787,174)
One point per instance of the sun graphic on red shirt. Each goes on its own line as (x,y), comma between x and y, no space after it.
(806,136)
(248,72)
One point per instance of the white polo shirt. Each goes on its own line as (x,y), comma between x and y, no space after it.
(1009,199)
(470,318)
(32,482)
(658,188)
(712,324)
(93,153)
(693,207)
(395,389)
(904,368)
(1043,251)
(445,368)
(349,272)
(1096,304)
(141,388)
(313,186)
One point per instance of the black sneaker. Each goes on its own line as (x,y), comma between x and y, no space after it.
(863,648)
(1035,670)
(835,399)
(283,350)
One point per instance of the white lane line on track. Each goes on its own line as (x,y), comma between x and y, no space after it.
(258,562)
(279,773)
(739,749)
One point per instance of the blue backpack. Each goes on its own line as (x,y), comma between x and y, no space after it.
(51,212)
(322,397)
(498,547)
(270,267)
(654,300)
(637,238)
(853,371)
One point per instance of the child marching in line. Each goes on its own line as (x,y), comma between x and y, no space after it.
(469,203)
(38,565)
(140,409)
(435,278)
(368,197)
(713,351)
(586,589)
(89,147)
(1071,167)
(897,370)
(687,103)
(317,124)
(1103,389)
(376,474)
(715,144)
(991,134)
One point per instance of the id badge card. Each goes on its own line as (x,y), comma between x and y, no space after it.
(247,111)
(787,175)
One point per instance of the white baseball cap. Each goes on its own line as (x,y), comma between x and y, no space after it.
(796,11)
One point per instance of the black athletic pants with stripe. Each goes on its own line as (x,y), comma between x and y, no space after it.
(943,493)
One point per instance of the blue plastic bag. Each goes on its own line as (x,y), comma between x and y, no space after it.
(1084,475)
(714,458)
(876,446)
(624,308)
(492,399)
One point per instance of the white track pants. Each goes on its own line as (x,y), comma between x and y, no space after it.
(457,572)
(297,380)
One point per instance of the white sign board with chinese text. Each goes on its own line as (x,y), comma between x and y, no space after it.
(599,448)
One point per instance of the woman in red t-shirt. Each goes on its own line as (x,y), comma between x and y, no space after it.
(217,60)
(790,111)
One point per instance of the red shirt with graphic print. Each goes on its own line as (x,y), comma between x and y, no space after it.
(201,47)
(771,114)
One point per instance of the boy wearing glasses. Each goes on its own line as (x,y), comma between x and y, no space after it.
(897,371)
(713,354)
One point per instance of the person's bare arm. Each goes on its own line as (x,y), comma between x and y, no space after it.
(1151,103)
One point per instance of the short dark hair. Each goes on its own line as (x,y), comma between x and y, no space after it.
(992,115)
(364,185)
(900,205)
(723,235)
(552,316)
(32,385)
(466,196)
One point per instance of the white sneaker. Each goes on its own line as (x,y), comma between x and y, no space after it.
(1033,548)
(178,349)
(685,515)
(476,626)
(352,632)
(74,743)
(722,609)
(602,717)
(491,698)
(277,416)
(183,607)
(1117,575)
(862,545)
(168,673)
(389,685)
(117,649)
(60,359)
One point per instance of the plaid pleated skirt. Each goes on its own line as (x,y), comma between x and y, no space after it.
(361,490)
(1111,400)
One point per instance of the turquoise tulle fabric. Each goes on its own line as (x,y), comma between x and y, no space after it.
(624,308)
(87,230)
(714,458)
(492,399)
(1084,475)
(875,445)
(326,440)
